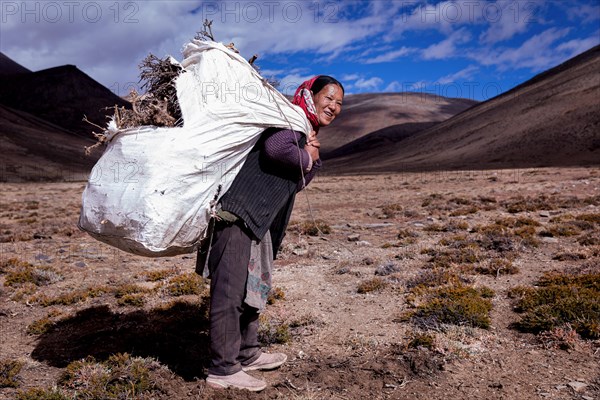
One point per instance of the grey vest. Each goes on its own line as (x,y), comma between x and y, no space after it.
(262,194)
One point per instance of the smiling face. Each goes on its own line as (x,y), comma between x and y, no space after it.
(328,102)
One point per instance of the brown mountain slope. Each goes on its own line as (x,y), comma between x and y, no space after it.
(550,120)
(9,67)
(61,95)
(35,150)
(366,113)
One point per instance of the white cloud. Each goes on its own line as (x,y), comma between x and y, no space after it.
(536,53)
(368,84)
(289,83)
(583,13)
(465,73)
(447,47)
(509,18)
(444,16)
(349,77)
(394,86)
(390,56)
(577,46)
(109,39)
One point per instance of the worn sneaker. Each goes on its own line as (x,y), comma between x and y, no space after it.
(239,380)
(266,361)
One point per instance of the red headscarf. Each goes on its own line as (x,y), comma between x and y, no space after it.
(304,98)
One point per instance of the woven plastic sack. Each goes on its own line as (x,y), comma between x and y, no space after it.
(152,190)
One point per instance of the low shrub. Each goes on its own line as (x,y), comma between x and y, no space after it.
(371,285)
(9,369)
(558,300)
(275,294)
(457,305)
(273,332)
(119,377)
(42,394)
(73,297)
(497,266)
(190,283)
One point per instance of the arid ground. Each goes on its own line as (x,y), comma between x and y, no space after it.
(361,311)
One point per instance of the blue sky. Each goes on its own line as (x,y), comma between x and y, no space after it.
(462,48)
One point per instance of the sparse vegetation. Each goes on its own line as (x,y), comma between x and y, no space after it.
(429,278)
(42,394)
(436,322)
(40,326)
(19,273)
(421,339)
(275,294)
(154,276)
(454,257)
(590,239)
(564,338)
(497,266)
(9,369)
(72,297)
(564,229)
(390,210)
(190,283)
(129,290)
(456,304)
(119,377)
(314,228)
(371,285)
(135,300)
(273,332)
(560,299)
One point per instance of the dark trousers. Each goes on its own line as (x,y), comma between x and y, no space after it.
(233,325)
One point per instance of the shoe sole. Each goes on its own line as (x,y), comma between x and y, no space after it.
(225,385)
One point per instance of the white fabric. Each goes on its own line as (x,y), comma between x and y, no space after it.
(151,191)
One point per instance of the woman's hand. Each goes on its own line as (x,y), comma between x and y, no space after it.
(312,146)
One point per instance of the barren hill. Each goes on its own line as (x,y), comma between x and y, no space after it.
(551,120)
(61,95)
(9,67)
(36,150)
(365,113)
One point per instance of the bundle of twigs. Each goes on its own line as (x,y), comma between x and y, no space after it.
(159,105)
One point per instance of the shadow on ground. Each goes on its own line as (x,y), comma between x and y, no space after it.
(176,336)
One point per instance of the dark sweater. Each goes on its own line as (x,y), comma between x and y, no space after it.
(263,192)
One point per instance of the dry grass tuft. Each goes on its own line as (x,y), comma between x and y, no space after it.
(37,393)
(9,369)
(560,299)
(456,304)
(19,273)
(185,284)
(154,276)
(431,278)
(421,339)
(390,210)
(314,228)
(275,294)
(454,257)
(73,297)
(119,377)
(565,229)
(564,338)
(372,285)
(273,332)
(496,267)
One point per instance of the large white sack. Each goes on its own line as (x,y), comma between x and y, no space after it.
(151,191)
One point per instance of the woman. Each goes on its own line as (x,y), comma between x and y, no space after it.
(250,226)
